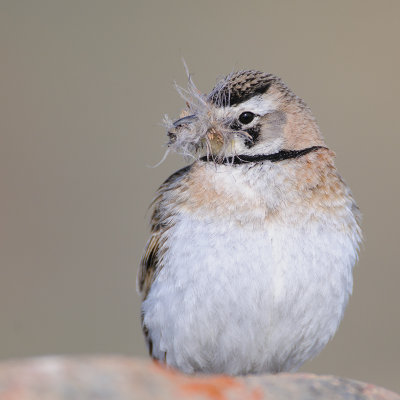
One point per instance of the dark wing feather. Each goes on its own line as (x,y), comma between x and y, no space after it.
(150,262)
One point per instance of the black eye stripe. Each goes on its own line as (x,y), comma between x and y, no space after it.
(236,126)
(254,132)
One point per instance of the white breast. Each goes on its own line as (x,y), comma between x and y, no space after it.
(245,299)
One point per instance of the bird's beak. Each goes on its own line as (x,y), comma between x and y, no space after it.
(185,120)
(179,124)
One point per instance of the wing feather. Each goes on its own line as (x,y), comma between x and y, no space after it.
(150,263)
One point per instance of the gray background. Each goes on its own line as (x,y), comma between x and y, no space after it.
(83,89)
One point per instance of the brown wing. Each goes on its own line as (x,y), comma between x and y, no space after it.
(150,263)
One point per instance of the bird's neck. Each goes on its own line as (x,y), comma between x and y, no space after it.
(249,192)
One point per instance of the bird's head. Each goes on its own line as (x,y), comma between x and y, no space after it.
(246,113)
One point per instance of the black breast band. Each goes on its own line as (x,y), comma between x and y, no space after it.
(275,157)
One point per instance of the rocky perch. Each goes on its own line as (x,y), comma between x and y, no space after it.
(119,378)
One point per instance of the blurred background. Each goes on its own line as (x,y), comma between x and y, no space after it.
(84,86)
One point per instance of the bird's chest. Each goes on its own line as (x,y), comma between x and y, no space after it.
(225,264)
(246,269)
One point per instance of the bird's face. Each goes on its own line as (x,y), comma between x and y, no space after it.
(247,113)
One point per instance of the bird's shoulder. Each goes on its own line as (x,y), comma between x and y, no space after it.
(161,221)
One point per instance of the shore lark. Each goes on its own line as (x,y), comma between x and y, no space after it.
(249,265)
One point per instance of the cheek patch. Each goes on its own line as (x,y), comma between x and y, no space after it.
(273,126)
(270,128)
(277,118)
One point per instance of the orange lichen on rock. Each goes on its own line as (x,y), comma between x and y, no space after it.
(218,387)
(121,378)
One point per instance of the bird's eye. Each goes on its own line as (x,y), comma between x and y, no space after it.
(246,117)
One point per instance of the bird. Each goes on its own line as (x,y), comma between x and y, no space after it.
(248,269)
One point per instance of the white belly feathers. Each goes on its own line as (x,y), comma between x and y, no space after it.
(245,300)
